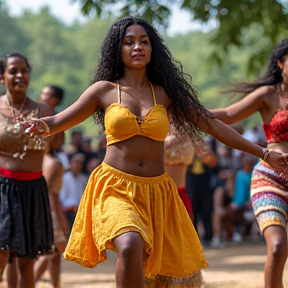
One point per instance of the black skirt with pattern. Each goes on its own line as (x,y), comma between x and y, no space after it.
(25,218)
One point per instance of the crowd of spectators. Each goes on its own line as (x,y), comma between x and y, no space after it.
(220,193)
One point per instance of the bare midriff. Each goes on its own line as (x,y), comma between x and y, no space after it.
(279,146)
(33,161)
(138,156)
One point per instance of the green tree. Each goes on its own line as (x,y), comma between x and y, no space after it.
(10,33)
(232,18)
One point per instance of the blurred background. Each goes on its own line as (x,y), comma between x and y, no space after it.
(219,42)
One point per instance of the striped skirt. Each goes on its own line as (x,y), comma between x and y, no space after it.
(269,196)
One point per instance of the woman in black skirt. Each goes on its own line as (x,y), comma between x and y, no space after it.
(25,218)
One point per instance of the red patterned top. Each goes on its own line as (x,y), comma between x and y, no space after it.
(277,129)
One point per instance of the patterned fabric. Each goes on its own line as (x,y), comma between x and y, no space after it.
(179,149)
(13,139)
(115,202)
(25,218)
(269,196)
(276,130)
(194,281)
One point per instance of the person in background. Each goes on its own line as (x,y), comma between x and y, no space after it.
(227,163)
(102,145)
(73,184)
(25,230)
(53,172)
(222,198)
(241,201)
(179,152)
(52,95)
(89,153)
(199,187)
(130,204)
(92,164)
(77,141)
(268,95)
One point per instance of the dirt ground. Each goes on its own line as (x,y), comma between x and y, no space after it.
(236,265)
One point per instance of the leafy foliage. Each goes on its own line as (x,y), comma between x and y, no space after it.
(67,55)
(233,20)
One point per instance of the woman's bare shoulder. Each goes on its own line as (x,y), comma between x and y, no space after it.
(103,86)
(106,92)
(267,90)
(269,94)
(161,96)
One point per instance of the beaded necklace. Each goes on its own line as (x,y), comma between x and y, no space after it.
(12,108)
(16,128)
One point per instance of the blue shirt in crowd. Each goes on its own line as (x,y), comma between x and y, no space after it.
(242,188)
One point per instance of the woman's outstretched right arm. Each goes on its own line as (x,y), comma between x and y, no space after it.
(76,113)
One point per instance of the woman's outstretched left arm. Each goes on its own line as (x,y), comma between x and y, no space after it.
(233,139)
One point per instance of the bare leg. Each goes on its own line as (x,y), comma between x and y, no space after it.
(40,267)
(54,267)
(26,272)
(129,267)
(12,273)
(4,256)
(276,240)
(218,208)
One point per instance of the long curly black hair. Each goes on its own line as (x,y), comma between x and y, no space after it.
(272,75)
(163,70)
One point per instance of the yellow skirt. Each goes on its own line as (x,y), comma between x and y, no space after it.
(115,202)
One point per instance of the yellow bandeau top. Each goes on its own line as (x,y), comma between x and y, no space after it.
(122,124)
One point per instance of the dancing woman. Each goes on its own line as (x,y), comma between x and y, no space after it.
(268,95)
(25,220)
(130,204)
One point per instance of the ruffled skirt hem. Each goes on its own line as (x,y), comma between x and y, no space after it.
(161,281)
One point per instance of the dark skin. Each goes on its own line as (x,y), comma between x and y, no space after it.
(53,171)
(16,78)
(266,101)
(137,155)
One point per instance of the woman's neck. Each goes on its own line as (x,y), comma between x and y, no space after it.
(15,98)
(135,79)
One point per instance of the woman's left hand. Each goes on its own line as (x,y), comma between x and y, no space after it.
(278,161)
(36,127)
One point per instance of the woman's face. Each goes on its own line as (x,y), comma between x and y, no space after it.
(16,75)
(136,47)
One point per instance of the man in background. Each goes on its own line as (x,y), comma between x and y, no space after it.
(73,185)
(52,95)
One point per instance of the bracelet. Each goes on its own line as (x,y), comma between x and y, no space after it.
(265,154)
(46,130)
